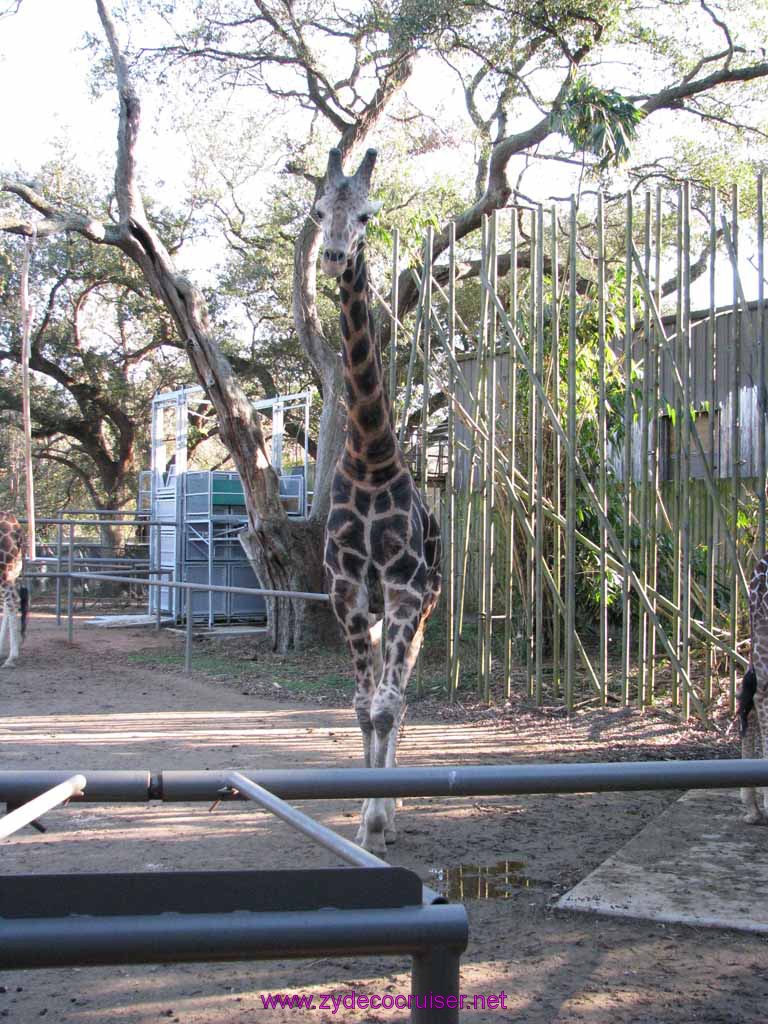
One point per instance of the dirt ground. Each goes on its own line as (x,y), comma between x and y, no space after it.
(117,699)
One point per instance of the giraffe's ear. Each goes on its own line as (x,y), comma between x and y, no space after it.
(335,172)
(365,170)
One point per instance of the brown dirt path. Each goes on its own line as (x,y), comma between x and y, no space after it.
(88,705)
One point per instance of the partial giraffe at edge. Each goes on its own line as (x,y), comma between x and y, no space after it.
(15,598)
(382,542)
(752,705)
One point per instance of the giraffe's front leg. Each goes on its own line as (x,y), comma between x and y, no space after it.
(3,626)
(404,623)
(349,599)
(750,748)
(10,626)
(760,714)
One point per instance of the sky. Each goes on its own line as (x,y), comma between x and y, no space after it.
(43,66)
(45,83)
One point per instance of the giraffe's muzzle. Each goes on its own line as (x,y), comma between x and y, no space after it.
(334,262)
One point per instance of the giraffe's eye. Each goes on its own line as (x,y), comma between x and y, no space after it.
(364,218)
(319,214)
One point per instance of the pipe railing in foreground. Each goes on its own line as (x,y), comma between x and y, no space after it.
(474,780)
(347,851)
(351,783)
(39,805)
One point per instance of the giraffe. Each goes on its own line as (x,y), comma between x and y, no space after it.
(752,704)
(15,598)
(382,544)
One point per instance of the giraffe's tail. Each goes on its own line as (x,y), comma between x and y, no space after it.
(745,700)
(24,608)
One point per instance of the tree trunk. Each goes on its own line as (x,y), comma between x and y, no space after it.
(327,364)
(280,559)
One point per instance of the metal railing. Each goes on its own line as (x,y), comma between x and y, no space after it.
(188,588)
(83,920)
(372,908)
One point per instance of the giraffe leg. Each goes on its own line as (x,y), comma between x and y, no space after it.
(761,739)
(349,599)
(749,749)
(404,622)
(11,620)
(3,624)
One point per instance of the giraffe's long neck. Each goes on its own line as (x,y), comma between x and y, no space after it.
(371,443)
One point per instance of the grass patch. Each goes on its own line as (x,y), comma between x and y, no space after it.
(210,664)
(301,675)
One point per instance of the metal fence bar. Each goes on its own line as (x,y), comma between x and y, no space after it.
(434,936)
(450,518)
(538,510)
(509,593)
(70,567)
(533,483)
(685,453)
(490,482)
(626,589)
(298,595)
(359,783)
(712,518)
(34,808)
(65,521)
(602,448)
(646,499)
(557,455)
(570,454)
(761,371)
(59,563)
(473,780)
(347,851)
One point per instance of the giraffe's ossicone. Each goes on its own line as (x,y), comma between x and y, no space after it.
(14,597)
(382,546)
(753,697)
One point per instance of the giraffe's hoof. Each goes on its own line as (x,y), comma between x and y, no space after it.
(390,836)
(755,818)
(374,842)
(9,663)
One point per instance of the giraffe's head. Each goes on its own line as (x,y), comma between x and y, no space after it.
(342,212)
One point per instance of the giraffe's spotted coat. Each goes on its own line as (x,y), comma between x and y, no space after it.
(753,698)
(382,548)
(13,600)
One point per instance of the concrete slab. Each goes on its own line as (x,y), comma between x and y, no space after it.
(699,863)
(121,621)
(222,632)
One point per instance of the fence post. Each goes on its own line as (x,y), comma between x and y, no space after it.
(158,595)
(70,569)
(188,632)
(435,972)
(59,563)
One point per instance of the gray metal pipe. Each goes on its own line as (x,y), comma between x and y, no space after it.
(174,938)
(347,851)
(451,780)
(475,780)
(175,585)
(39,805)
(108,787)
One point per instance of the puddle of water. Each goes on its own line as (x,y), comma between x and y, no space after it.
(480,881)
